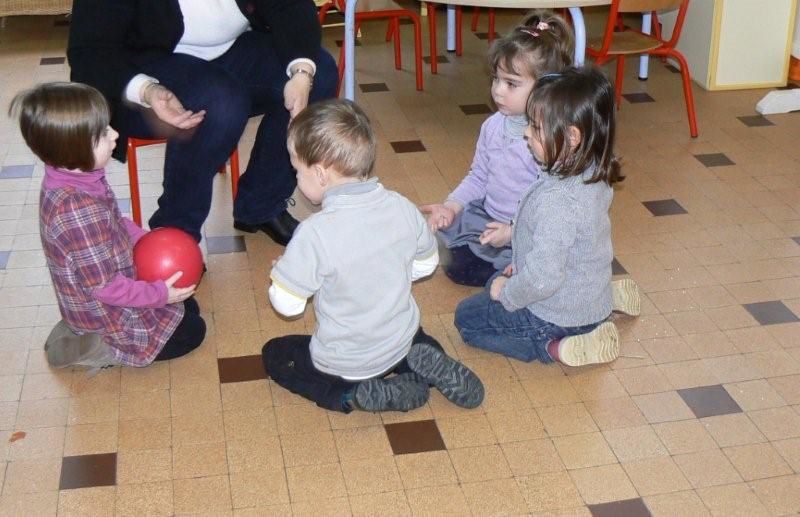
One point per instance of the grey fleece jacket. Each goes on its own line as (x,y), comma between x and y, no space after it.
(562,253)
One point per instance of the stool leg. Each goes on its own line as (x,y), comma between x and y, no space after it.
(459,43)
(491,25)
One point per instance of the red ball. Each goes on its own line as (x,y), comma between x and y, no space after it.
(164,251)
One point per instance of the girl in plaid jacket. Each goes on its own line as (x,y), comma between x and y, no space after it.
(109,317)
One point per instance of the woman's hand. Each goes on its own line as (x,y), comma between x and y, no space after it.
(440,215)
(178,294)
(496,234)
(497,287)
(168,108)
(295,93)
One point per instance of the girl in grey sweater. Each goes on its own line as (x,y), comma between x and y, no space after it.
(553,301)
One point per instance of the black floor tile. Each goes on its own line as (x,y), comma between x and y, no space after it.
(637,98)
(52,60)
(408,146)
(225,244)
(617,269)
(475,109)
(714,159)
(439,59)
(771,313)
(88,471)
(626,508)
(755,121)
(709,401)
(664,207)
(373,87)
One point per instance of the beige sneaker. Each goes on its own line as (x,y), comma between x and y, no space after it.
(64,348)
(625,296)
(598,346)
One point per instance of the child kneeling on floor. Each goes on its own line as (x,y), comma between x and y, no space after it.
(553,302)
(357,257)
(109,317)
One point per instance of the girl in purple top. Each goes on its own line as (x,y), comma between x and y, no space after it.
(108,316)
(475,220)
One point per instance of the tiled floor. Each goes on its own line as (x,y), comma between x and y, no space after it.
(700,415)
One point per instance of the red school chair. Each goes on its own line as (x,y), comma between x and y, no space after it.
(376,10)
(617,44)
(133,173)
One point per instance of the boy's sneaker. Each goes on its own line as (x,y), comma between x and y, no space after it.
(625,297)
(456,382)
(402,392)
(65,348)
(598,346)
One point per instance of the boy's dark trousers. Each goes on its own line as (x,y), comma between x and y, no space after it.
(287,360)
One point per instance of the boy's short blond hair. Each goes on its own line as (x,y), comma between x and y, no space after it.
(62,122)
(335,133)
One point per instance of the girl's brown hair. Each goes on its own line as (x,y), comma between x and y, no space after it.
(582,98)
(62,122)
(542,44)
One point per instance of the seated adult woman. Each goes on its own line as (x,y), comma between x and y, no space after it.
(194,72)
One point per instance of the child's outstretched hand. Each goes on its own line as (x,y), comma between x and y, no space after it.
(496,234)
(497,286)
(439,215)
(509,270)
(178,294)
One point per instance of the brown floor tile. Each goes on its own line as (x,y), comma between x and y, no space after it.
(91,470)
(412,437)
(241,369)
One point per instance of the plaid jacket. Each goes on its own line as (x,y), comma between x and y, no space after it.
(86,245)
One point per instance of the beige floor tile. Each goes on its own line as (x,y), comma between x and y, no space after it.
(8,414)
(787,387)
(388,503)
(262,488)
(757,461)
(194,400)
(780,495)
(250,455)
(676,503)
(197,429)
(205,494)
(39,386)
(644,380)
(239,396)
(91,439)
(790,450)
(315,481)
(334,507)
(548,492)
(707,468)
(550,391)
(684,437)
(136,405)
(471,430)
(426,469)
(597,385)
(711,344)
(615,413)
(777,423)
(362,443)
(566,419)
(441,500)
(43,442)
(513,426)
(757,394)
(656,476)
(309,449)
(736,499)
(635,443)
(93,410)
(733,429)
(663,407)
(135,467)
(155,433)
(42,413)
(301,419)
(690,374)
(532,457)
(252,424)
(584,450)
(32,476)
(501,496)
(87,501)
(144,499)
(153,378)
(371,476)
(603,484)
(480,463)
(42,503)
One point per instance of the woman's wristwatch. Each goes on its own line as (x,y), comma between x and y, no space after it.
(299,70)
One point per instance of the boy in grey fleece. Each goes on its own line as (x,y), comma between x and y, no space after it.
(357,257)
(552,302)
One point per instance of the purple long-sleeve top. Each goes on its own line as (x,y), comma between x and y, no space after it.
(503,169)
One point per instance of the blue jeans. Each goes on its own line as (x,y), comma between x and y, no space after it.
(247,80)
(485,323)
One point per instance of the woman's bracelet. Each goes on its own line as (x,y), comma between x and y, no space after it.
(296,71)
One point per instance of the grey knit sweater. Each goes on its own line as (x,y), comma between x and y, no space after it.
(561,243)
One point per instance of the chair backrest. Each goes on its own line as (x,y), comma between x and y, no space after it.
(641,6)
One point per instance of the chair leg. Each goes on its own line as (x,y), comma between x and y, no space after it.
(432,34)
(341,69)
(234,172)
(618,80)
(687,91)
(398,56)
(459,42)
(390,30)
(133,179)
(417,48)
(476,14)
(491,25)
